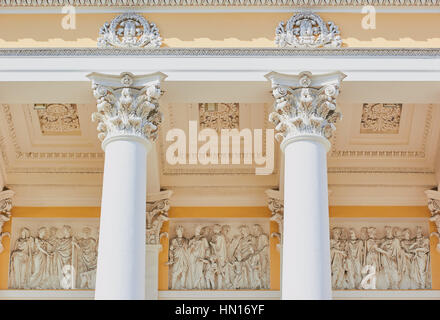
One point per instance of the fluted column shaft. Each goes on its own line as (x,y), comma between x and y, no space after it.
(128,120)
(304,116)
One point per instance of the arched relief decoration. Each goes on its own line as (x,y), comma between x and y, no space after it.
(306,30)
(129,30)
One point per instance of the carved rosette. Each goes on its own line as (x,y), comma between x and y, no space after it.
(129,30)
(304,106)
(434,207)
(5,213)
(128,109)
(157,213)
(276,206)
(307,30)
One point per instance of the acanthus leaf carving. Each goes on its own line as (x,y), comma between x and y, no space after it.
(307,30)
(157,213)
(5,213)
(129,30)
(434,208)
(127,110)
(304,108)
(276,206)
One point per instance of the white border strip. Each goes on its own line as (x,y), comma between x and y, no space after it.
(224,295)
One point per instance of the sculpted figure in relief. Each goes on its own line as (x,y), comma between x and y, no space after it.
(39,278)
(20,261)
(355,251)
(420,247)
(215,259)
(178,259)
(53,259)
(394,262)
(337,255)
(88,256)
(197,252)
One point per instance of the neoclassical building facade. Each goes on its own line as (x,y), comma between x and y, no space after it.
(219,149)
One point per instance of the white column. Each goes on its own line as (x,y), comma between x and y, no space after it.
(128,120)
(304,117)
(157,212)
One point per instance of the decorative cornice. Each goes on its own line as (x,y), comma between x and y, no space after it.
(127,105)
(434,207)
(157,212)
(216,3)
(5,212)
(223,52)
(305,105)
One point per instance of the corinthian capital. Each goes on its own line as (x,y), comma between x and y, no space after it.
(158,205)
(434,207)
(305,105)
(5,212)
(127,105)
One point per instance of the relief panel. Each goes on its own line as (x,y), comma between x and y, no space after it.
(219,254)
(385,254)
(53,253)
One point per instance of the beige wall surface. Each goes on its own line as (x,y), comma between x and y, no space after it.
(221,29)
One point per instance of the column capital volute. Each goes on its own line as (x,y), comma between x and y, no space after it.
(434,208)
(157,208)
(5,212)
(305,106)
(128,106)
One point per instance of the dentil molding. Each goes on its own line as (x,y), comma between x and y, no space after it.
(219,3)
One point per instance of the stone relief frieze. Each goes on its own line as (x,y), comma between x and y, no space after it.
(129,30)
(59,118)
(219,255)
(307,30)
(381,118)
(219,116)
(53,253)
(394,256)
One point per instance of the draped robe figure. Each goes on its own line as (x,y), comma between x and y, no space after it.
(406,259)
(178,259)
(262,243)
(245,251)
(372,256)
(337,259)
(21,261)
(197,249)
(219,249)
(65,260)
(388,277)
(421,259)
(354,248)
(87,263)
(39,278)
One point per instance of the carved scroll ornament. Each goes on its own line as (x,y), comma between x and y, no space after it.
(307,30)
